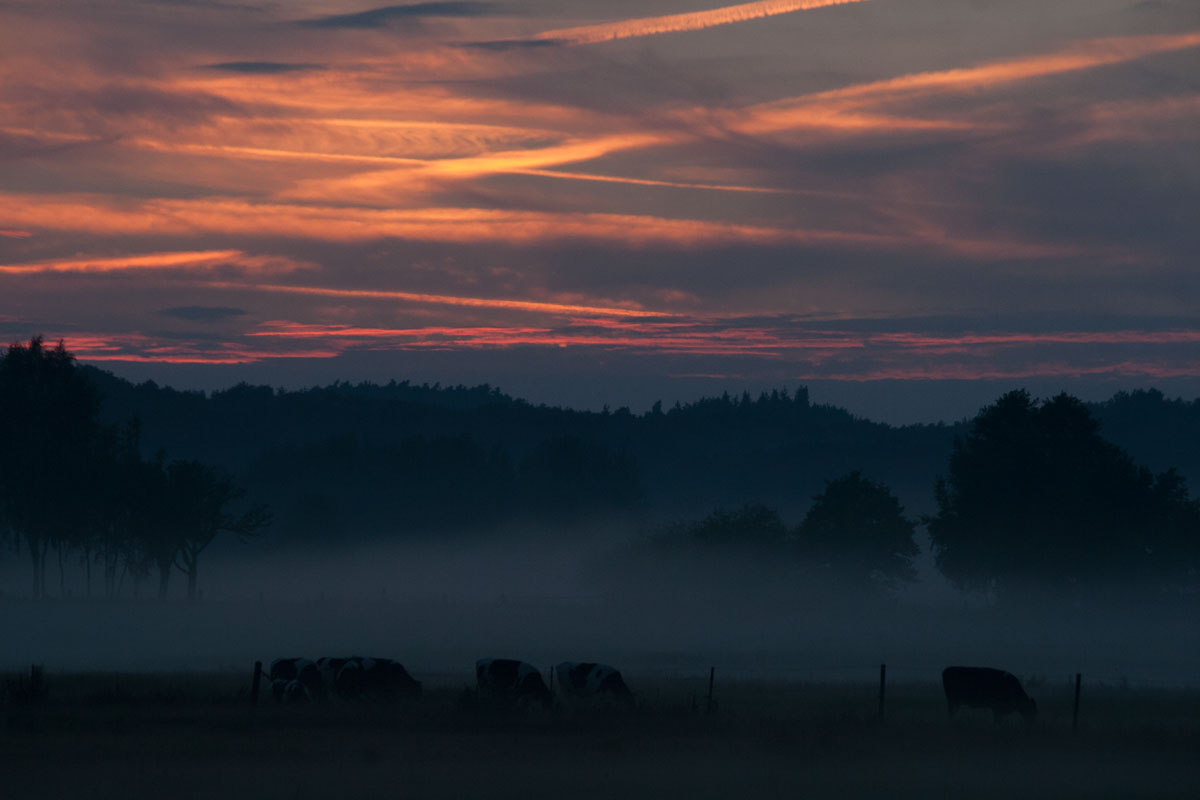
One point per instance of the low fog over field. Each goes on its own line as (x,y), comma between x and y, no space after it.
(771,537)
(438,607)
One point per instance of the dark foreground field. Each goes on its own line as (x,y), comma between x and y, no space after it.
(195,736)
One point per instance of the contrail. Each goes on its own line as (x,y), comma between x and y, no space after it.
(441,299)
(674,23)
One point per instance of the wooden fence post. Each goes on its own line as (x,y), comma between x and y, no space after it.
(257,680)
(36,687)
(1075,713)
(882,685)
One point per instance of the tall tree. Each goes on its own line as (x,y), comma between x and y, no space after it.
(857,529)
(1034,496)
(48,437)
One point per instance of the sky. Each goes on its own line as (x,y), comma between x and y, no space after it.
(908,205)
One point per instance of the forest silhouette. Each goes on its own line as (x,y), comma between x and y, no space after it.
(137,481)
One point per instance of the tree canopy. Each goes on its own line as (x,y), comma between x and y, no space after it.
(49,438)
(857,529)
(1034,496)
(71,485)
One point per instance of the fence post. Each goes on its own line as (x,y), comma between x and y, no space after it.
(35,682)
(257,680)
(1075,713)
(712,671)
(882,685)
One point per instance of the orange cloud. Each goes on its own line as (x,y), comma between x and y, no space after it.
(198,259)
(103,215)
(140,348)
(15,234)
(1084,55)
(448,300)
(227,216)
(676,23)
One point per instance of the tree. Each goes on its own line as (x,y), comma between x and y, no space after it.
(48,448)
(1034,496)
(857,529)
(750,530)
(199,497)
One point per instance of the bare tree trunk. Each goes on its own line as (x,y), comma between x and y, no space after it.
(192,581)
(37,571)
(62,574)
(191,567)
(45,548)
(164,575)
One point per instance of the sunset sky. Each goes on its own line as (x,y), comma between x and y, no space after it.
(910,204)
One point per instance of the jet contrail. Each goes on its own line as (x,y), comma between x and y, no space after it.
(674,23)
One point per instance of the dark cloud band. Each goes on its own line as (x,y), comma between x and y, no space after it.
(385,15)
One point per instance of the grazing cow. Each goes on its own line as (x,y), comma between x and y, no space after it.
(505,678)
(590,681)
(982,687)
(292,691)
(329,667)
(359,678)
(295,679)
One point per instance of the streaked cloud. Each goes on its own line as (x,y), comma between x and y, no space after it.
(262,67)
(203,313)
(189,260)
(679,23)
(698,202)
(386,15)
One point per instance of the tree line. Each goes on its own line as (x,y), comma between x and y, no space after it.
(1033,500)
(1027,493)
(72,488)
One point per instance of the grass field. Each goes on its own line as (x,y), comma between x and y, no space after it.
(196,736)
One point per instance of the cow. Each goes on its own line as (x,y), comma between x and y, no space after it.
(295,680)
(292,691)
(329,667)
(359,678)
(510,680)
(590,681)
(983,687)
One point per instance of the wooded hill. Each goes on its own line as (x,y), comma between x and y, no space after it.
(343,462)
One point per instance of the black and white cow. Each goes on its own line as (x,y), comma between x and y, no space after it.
(295,680)
(587,680)
(329,667)
(508,679)
(359,678)
(983,687)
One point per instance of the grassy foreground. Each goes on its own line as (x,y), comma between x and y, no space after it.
(196,736)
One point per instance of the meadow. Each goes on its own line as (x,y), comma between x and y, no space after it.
(196,735)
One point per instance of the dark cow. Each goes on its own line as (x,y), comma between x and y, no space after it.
(329,667)
(982,687)
(507,679)
(295,680)
(590,681)
(360,678)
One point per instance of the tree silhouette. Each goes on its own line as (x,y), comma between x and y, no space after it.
(199,497)
(752,529)
(1034,496)
(48,439)
(857,529)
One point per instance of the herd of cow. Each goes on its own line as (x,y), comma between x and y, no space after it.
(356,678)
(304,680)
